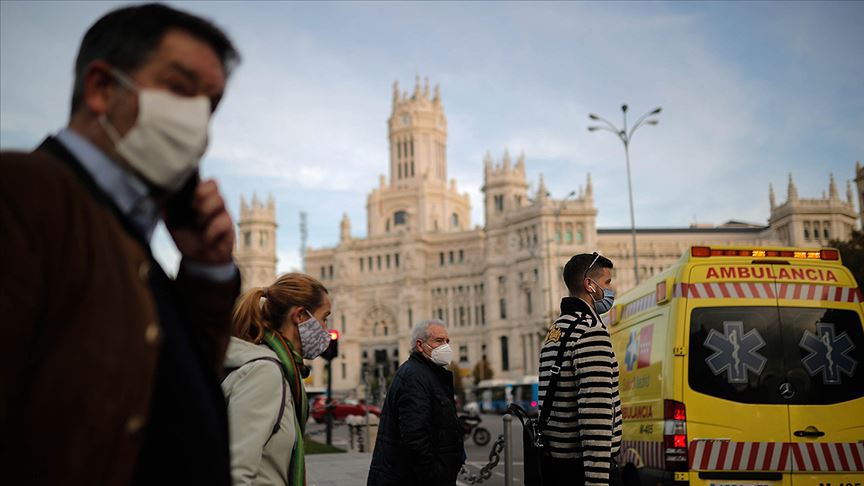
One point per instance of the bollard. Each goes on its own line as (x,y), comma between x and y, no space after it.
(508,450)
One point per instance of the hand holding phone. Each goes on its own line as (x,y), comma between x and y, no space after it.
(179,212)
(200,224)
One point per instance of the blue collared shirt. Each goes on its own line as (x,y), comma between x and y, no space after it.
(132,196)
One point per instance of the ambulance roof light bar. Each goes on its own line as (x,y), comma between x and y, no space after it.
(707,251)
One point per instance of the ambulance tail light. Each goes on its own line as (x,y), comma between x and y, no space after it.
(830,254)
(675,435)
(700,251)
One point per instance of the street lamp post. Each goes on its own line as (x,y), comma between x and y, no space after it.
(625,137)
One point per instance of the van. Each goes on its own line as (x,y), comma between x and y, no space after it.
(743,366)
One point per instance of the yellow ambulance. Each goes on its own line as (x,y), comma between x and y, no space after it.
(743,366)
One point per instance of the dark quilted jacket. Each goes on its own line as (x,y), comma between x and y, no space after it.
(419,438)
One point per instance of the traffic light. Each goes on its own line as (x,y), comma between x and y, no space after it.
(333,349)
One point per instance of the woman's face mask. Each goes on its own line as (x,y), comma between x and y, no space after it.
(314,339)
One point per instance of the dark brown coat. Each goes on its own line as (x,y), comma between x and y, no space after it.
(80,337)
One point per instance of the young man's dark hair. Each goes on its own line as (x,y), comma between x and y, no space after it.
(126,37)
(583,266)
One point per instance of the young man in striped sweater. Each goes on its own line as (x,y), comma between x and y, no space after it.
(583,432)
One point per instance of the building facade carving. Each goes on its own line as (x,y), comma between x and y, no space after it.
(497,286)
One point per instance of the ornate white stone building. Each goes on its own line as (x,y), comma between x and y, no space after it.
(497,286)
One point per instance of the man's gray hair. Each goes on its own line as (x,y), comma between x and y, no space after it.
(421,331)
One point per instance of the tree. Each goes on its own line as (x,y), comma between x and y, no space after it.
(482,370)
(852,253)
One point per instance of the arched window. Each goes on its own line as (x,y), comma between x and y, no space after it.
(399,217)
(454,220)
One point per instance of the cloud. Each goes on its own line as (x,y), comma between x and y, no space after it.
(750,92)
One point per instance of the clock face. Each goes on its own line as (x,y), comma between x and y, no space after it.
(406,118)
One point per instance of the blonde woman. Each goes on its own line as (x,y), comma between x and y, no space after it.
(274,329)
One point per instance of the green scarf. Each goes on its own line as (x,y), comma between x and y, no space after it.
(294,368)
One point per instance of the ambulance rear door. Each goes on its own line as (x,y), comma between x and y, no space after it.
(737,419)
(823,342)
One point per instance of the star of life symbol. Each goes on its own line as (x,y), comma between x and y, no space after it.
(828,353)
(735,351)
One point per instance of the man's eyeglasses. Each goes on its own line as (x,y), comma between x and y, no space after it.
(596,257)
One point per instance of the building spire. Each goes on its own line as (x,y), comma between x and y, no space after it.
(437,98)
(426,88)
(345,228)
(395,92)
(771,199)
(589,188)
(506,160)
(417,87)
(849,196)
(832,189)
(520,163)
(792,191)
(541,189)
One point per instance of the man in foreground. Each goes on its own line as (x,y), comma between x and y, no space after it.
(110,368)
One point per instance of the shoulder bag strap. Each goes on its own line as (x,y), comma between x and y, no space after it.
(228,371)
(546,409)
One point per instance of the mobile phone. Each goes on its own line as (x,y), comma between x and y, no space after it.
(178,210)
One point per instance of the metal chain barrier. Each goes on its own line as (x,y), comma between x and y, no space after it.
(486,471)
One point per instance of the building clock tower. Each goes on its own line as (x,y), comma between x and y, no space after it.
(417,197)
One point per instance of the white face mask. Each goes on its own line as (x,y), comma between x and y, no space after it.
(442,355)
(314,339)
(169,137)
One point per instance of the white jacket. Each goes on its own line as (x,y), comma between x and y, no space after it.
(254,395)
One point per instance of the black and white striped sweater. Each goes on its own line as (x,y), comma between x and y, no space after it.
(585,421)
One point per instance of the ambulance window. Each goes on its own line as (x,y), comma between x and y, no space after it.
(824,354)
(736,353)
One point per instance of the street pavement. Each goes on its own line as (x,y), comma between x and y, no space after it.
(352,468)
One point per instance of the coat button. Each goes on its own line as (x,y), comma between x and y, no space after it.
(144,271)
(151,333)
(134,424)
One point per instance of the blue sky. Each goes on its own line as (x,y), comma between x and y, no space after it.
(750,92)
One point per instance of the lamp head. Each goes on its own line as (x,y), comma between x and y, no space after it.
(591,129)
(657,110)
(624,108)
(593,116)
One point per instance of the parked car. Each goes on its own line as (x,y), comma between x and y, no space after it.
(340,409)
